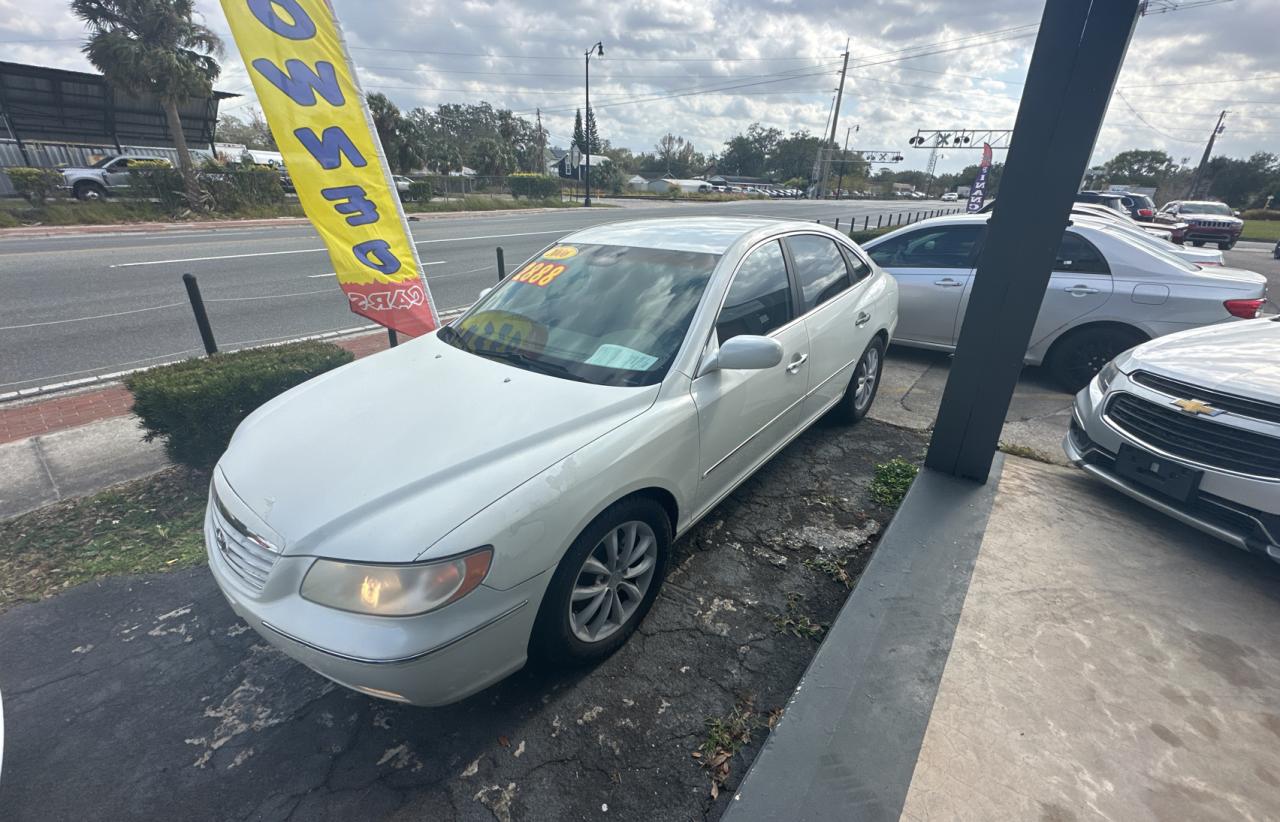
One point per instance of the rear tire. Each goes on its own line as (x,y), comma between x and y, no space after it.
(1198,243)
(863,385)
(1077,357)
(561,634)
(1227,246)
(86,190)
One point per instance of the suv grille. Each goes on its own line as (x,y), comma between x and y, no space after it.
(1196,438)
(249,557)
(1210,223)
(1242,406)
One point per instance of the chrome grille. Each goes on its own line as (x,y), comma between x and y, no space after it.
(1195,438)
(248,556)
(1210,223)
(1241,406)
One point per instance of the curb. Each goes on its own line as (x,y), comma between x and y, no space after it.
(214,225)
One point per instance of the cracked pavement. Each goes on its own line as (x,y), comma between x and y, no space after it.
(146,698)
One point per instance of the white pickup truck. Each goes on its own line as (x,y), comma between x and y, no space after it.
(110,175)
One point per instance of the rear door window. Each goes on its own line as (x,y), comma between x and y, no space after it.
(1079,255)
(820,268)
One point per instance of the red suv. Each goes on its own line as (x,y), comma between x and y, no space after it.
(1208,222)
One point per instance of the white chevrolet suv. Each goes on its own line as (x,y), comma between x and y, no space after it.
(1189,424)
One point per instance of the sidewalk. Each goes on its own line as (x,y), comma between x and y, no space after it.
(73,444)
(1037,648)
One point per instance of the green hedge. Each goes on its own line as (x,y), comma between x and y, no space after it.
(419,192)
(1261,214)
(195,405)
(228,189)
(533,186)
(35,185)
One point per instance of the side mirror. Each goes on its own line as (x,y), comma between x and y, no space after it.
(745,352)
(1235,213)
(484,292)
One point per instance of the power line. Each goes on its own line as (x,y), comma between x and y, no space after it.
(612,58)
(1143,120)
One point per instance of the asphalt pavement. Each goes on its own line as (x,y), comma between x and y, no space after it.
(80,305)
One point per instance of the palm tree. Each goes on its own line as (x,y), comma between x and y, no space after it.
(153,47)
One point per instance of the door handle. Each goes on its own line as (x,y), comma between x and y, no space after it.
(862,319)
(796,361)
(1080,290)
(947,282)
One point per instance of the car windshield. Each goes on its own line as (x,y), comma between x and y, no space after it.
(1206,208)
(604,314)
(102,162)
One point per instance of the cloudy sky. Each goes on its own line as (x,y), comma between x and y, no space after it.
(706,69)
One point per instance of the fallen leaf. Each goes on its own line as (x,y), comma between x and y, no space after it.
(715,790)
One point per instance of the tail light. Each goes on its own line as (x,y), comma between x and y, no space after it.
(1245,309)
(1145,212)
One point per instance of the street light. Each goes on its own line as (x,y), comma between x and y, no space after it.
(598,48)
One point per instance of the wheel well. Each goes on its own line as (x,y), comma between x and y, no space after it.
(883,336)
(664,498)
(1102,325)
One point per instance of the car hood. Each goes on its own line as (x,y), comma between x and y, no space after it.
(408,444)
(1240,358)
(1217,218)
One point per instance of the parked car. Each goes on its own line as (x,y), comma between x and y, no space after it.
(1198,256)
(110,175)
(579,417)
(1108,292)
(1115,202)
(1209,222)
(950,197)
(1139,206)
(1190,425)
(1173,232)
(402,183)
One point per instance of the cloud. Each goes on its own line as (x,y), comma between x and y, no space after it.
(775,61)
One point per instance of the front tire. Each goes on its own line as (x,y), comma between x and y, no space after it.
(1227,246)
(863,385)
(605,584)
(89,191)
(1198,243)
(1077,357)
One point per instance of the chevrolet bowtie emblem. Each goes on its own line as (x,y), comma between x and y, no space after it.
(1197,407)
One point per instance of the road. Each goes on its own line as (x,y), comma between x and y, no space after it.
(75,306)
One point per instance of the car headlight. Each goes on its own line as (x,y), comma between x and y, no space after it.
(395,590)
(1108,373)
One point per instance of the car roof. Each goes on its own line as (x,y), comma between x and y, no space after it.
(708,235)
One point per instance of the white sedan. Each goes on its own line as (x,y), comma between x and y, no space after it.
(1108,292)
(414,524)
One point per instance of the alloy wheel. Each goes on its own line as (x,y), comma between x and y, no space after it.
(865,377)
(613,581)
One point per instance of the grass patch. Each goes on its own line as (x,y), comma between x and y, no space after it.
(796,623)
(834,568)
(151,524)
(1267,231)
(726,735)
(15,213)
(483,202)
(1026,452)
(891,481)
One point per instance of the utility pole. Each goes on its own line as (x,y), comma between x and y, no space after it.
(835,115)
(598,48)
(844,158)
(1204,159)
(933,165)
(542,146)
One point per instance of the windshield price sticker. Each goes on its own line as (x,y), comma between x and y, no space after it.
(539,274)
(560,252)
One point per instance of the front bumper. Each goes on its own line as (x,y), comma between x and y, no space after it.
(1238,510)
(432,659)
(1213,234)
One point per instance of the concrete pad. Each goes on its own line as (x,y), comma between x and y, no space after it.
(915,379)
(25,484)
(91,457)
(1109,663)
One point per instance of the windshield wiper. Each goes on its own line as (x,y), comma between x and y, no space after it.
(528,363)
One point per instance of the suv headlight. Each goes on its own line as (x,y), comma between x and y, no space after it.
(395,590)
(1108,373)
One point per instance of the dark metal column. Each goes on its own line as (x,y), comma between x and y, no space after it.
(1077,57)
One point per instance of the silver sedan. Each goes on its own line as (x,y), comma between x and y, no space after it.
(1108,292)
(416,523)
